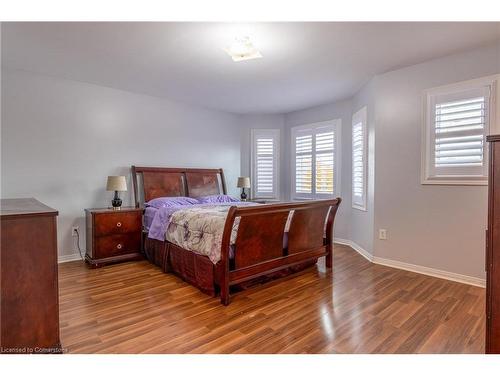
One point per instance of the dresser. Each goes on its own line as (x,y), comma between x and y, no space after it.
(113,235)
(493,249)
(30,302)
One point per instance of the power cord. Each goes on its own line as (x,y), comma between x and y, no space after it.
(78,243)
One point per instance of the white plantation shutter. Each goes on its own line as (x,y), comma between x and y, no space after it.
(358,175)
(314,160)
(457,125)
(325,151)
(459,133)
(359,161)
(264,166)
(303,162)
(265,163)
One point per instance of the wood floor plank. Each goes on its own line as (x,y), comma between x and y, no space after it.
(360,307)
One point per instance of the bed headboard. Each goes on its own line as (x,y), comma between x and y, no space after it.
(155,182)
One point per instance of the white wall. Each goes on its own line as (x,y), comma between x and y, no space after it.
(62,138)
(434,226)
(362,222)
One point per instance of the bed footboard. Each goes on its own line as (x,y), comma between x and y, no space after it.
(260,248)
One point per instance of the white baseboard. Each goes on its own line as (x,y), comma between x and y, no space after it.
(464,279)
(356,247)
(68,258)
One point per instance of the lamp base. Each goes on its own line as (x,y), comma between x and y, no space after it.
(116,202)
(243,195)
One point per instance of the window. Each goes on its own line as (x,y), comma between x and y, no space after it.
(457,120)
(265,163)
(316,160)
(359,159)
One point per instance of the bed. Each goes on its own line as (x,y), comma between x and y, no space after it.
(254,242)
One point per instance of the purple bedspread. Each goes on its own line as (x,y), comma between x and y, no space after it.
(149,215)
(158,225)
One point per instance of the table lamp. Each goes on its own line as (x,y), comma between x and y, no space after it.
(243,182)
(116,184)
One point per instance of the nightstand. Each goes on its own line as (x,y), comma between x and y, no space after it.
(113,235)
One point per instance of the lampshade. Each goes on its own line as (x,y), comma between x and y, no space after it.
(116,183)
(243,182)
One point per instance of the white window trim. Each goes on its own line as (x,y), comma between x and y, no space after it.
(361,117)
(275,133)
(337,125)
(492,127)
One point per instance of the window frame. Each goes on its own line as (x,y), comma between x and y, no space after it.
(276,135)
(336,125)
(361,116)
(428,126)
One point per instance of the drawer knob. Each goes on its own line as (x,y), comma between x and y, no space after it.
(119,224)
(119,246)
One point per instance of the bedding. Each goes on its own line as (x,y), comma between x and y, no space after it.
(154,205)
(161,219)
(149,214)
(219,198)
(200,229)
(171,202)
(197,228)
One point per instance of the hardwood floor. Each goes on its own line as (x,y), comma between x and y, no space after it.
(366,308)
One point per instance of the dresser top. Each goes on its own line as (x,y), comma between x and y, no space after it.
(111,211)
(493,138)
(24,206)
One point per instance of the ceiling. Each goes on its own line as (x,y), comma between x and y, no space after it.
(303,64)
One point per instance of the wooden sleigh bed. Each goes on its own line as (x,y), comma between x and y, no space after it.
(262,249)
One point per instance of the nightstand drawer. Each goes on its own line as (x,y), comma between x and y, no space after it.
(113,223)
(117,244)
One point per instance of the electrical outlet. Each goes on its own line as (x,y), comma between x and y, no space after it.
(382,234)
(74,231)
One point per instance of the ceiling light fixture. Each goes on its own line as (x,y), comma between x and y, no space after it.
(243,49)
